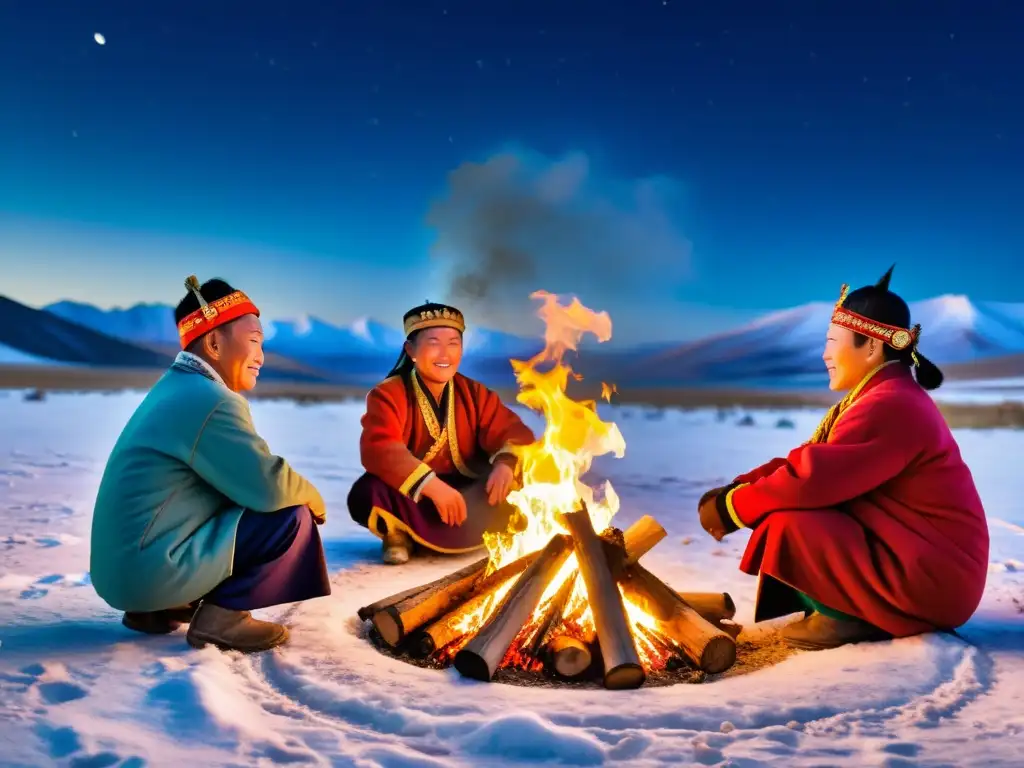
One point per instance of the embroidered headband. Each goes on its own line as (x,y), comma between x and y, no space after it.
(212,314)
(896,337)
(433,316)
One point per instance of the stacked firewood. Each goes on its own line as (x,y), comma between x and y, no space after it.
(427,621)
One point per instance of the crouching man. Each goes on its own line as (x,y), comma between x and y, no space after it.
(196,521)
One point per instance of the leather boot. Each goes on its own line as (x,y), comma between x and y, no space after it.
(159,622)
(233,630)
(397,548)
(818,632)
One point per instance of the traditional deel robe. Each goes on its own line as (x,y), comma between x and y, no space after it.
(881,521)
(408,438)
(185,468)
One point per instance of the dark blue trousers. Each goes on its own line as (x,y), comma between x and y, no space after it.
(278,559)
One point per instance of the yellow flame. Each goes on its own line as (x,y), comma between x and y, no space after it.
(573,436)
(552,468)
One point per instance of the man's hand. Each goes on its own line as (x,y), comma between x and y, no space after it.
(451,506)
(710,520)
(499,483)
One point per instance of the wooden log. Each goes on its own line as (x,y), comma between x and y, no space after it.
(396,621)
(730,627)
(710,648)
(367,611)
(442,631)
(506,572)
(641,537)
(712,606)
(480,658)
(553,614)
(445,630)
(622,667)
(568,656)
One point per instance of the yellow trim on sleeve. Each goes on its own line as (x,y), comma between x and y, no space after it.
(417,474)
(731,509)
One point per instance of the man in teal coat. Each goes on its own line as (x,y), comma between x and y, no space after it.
(196,521)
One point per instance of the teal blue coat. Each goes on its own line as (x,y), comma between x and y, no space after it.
(187,464)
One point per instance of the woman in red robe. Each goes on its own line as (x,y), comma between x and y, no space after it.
(437,447)
(873,528)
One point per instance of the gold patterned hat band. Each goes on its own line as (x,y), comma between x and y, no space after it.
(433,316)
(896,337)
(212,314)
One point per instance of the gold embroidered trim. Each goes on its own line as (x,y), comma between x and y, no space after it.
(414,477)
(731,509)
(453,438)
(448,317)
(426,408)
(896,337)
(442,436)
(393,524)
(210,311)
(828,423)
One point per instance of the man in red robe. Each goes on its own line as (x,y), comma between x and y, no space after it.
(874,528)
(438,447)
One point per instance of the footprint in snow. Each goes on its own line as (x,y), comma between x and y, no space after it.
(8,472)
(43,541)
(39,587)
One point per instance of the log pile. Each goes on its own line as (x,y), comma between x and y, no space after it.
(483,621)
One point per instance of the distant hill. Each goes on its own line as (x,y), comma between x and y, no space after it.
(41,334)
(786,346)
(306,339)
(781,349)
(34,336)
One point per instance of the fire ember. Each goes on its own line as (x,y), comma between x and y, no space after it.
(553,595)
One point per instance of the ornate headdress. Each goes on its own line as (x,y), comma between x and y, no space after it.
(426,315)
(431,315)
(895,336)
(212,314)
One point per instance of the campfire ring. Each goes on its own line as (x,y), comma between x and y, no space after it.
(526,624)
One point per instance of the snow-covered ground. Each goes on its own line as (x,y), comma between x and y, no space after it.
(982,391)
(78,689)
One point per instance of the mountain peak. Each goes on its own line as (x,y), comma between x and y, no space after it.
(951,305)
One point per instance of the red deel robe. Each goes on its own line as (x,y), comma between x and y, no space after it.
(408,438)
(882,521)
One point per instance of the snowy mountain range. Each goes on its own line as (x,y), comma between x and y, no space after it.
(307,339)
(779,349)
(787,345)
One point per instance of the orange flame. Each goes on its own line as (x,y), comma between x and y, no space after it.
(573,436)
(552,468)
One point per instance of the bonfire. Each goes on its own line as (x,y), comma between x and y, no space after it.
(553,594)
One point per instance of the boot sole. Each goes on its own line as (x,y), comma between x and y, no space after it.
(199,641)
(150,628)
(809,645)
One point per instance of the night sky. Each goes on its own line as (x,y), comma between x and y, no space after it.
(682,167)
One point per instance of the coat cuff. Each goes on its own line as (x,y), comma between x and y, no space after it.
(414,482)
(505,455)
(726,509)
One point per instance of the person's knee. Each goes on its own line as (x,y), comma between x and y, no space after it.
(361,496)
(807,528)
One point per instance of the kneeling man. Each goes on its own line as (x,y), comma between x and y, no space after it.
(196,521)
